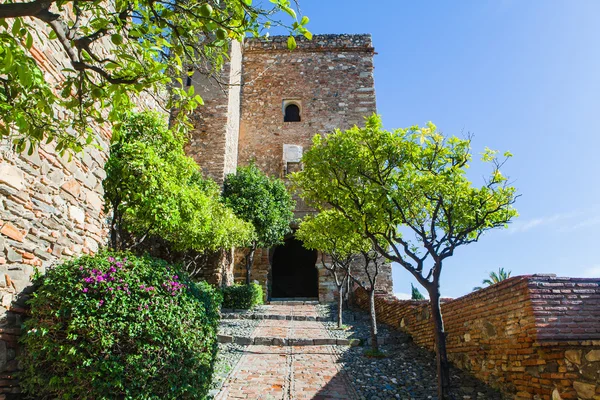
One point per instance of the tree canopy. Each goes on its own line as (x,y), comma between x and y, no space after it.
(154,189)
(331,233)
(407,190)
(262,201)
(415,294)
(116,51)
(495,278)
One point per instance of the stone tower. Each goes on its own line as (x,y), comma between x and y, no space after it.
(272,103)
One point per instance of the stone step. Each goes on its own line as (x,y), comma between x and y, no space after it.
(231,314)
(293,302)
(278,341)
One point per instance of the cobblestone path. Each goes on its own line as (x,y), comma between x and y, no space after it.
(288,372)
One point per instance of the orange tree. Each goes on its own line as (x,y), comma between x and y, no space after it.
(115,50)
(407,191)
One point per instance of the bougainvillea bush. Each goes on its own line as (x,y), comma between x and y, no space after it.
(118,326)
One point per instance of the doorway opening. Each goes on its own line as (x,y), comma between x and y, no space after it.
(294,271)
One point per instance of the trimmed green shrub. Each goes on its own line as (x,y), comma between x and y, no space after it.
(242,296)
(118,326)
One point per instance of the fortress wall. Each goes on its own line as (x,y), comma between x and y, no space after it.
(533,337)
(51,208)
(330,78)
(214,137)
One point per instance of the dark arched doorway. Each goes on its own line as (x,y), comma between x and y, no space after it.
(294,272)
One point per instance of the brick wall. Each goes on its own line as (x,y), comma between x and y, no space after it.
(534,337)
(214,137)
(330,77)
(50,209)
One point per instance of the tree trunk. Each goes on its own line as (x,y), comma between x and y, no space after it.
(340,305)
(249,262)
(374,344)
(443,368)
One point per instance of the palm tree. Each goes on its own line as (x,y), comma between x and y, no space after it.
(494,278)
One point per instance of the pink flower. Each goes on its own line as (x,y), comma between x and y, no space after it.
(84,290)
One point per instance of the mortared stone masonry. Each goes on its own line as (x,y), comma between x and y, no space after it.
(533,337)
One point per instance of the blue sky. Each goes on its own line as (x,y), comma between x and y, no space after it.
(522,76)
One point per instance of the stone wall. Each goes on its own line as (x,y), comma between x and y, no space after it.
(51,208)
(214,137)
(330,78)
(327,287)
(533,337)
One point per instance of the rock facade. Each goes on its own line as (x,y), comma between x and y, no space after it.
(214,138)
(533,337)
(51,208)
(329,78)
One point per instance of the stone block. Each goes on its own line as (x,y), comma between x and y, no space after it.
(7,191)
(91,244)
(263,341)
(585,391)
(94,200)
(301,342)
(280,342)
(593,355)
(324,342)
(72,187)
(225,339)
(77,214)
(574,356)
(342,342)
(13,256)
(12,176)
(243,340)
(12,232)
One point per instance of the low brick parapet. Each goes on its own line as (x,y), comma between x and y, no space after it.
(331,43)
(529,336)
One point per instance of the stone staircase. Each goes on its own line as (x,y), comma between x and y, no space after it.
(290,323)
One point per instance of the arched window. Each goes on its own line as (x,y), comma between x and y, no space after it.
(292,113)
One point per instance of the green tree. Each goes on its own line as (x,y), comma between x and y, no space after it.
(330,233)
(116,50)
(152,189)
(408,189)
(263,202)
(494,278)
(415,294)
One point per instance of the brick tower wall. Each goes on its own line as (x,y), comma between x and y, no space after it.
(331,79)
(213,140)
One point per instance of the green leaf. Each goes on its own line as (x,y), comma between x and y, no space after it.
(289,11)
(29,41)
(16,28)
(116,39)
(304,20)
(291,43)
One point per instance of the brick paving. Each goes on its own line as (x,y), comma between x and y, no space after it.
(296,310)
(288,372)
(290,329)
